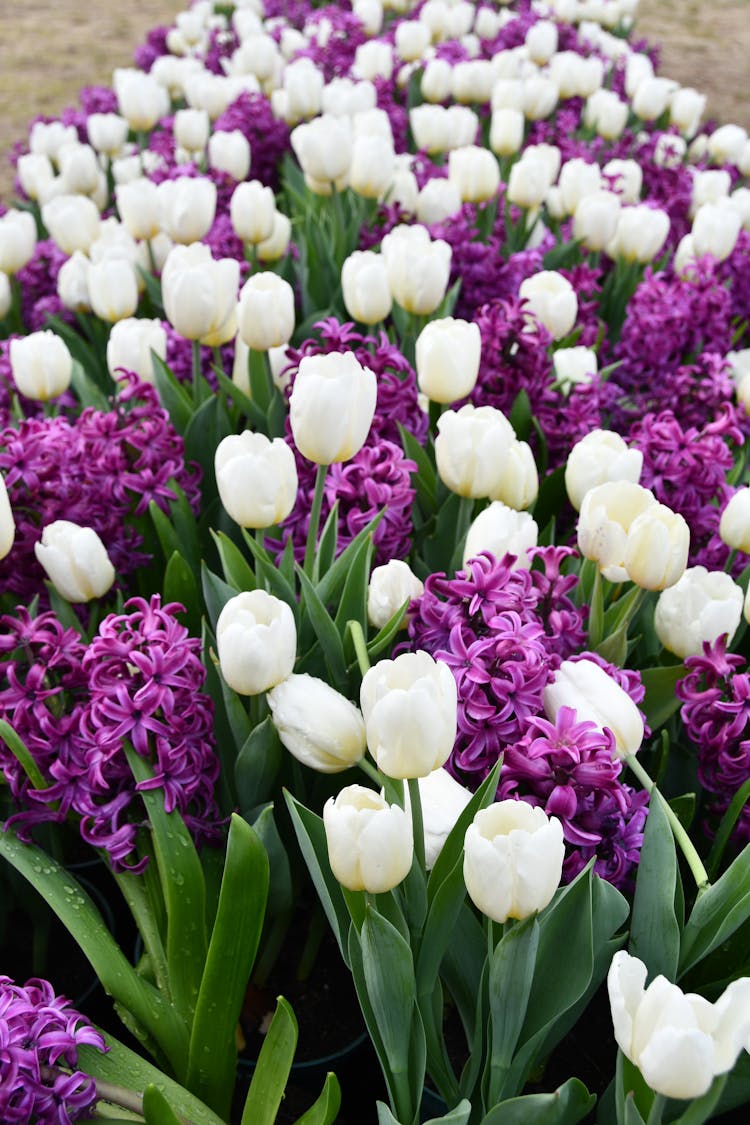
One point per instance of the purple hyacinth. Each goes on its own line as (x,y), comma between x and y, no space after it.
(569,768)
(38,282)
(716,714)
(40,1034)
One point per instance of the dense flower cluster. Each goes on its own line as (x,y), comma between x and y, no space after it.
(40,1034)
(716,714)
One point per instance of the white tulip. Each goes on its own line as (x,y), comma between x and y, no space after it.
(447,359)
(686,107)
(17,240)
(365,289)
(113,289)
(140,98)
(734,526)
(252,209)
(470,449)
(517,481)
(323,148)
(318,726)
(41,365)
(716,228)
(200,293)
(389,587)
(595,219)
(229,152)
(107,132)
(600,456)
(331,407)
(551,299)
(7,523)
(640,235)
(578,178)
(597,698)
(418,268)
(574,366)
(6,295)
(257,642)
(139,207)
(475,172)
(187,207)
(606,114)
(410,710)
(370,843)
(513,857)
(700,607)
(529,182)
(502,530)
(372,165)
(72,222)
(256,479)
(506,131)
(75,560)
(130,346)
(79,169)
(625,178)
(438,200)
(265,314)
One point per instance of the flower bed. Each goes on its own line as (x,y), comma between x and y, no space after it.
(374,390)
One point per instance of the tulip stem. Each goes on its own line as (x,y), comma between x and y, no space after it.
(657,1109)
(197,372)
(315,510)
(360,646)
(417,822)
(372,771)
(686,845)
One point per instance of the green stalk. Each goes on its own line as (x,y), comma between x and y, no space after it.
(197,371)
(657,1109)
(360,646)
(417,821)
(315,510)
(686,845)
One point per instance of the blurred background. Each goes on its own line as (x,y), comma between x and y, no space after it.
(50,48)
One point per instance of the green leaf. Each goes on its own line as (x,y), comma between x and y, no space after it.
(79,915)
(216,594)
(231,952)
(596,614)
(174,396)
(168,538)
(86,390)
(275,581)
(121,1066)
(353,603)
(242,405)
(552,497)
(511,976)
(20,751)
(331,582)
(717,913)
(272,1071)
(327,543)
(156,1108)
(179,586)
(237,570)
(568,1104)
(280,893)
(389,974)
(461,967)
(311,837)
(701,1109)
(208,426)
(724,831)
(654,929)
(325,629)
(425,477)
(258,766)
(183,888)
(325,1110)
(385,637)
(661,702)
(459,1115)
(520,415)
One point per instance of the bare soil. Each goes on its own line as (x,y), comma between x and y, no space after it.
(50,48)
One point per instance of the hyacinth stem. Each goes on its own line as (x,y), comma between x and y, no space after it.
(686,845)
(106,1091)
(315,510)
(417,821)
(657,1109)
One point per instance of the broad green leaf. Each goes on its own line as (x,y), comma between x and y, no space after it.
(717,913)
(208,426)
(242,406)
(596,613)
(654,929)
(724,831)
(384,638)
(86,390)
(462,965)
(325,1110)
(183,888)
(661,702)
(168,538)
(180,586)
(520,415)
(459,1115)
(330,583)
(353,602)
(327,543)
(567,1105)
(237,570)
(258,765)
(175,398)
(265,570)
(425,478)
(121,1066)
(280,892)
(272,1071)
(325,629)
(511,976)
(311,837)
(156,1108)
(701,1109)
(21,753)
(216,594)
(79,915)
(231,952)
(389,975)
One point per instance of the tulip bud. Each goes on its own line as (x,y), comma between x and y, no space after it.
(252,210)
(513,857)
(412,39)
(79,169)
(318,726)
(506,130)
(657,549)
(410,711)
(552,300)
(595,219)
(389,587)
(447,359)
(625,178)
(686,108)
(502,530)
(716,228)
(700,607)
(324,149)
(600,456)
(257,641)
(437,81)
(517,480)
(229,152)
(187,207)
(541,41)
(606,113)
(17,240)
(72,222)
(265,314)
(438,200)
(7,523)
(540,96)
(529,182)
(191,128)
(364,284)
(75,561)
(199,292)
(418,268)
(331,407)
(652,97)
(73,283)
(41,364)
(608,512)
(470,449)
(372,165)
(113,289)
(256,478)
(679,1041)
(274,247)
(578,178)
(734,526)
(130,346)
(370,843)
(475,172)
(35,174)
(107,132)
(574,366)
(640,235)
(141,100)
(138,205)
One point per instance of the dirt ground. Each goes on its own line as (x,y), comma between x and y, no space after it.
(50,48)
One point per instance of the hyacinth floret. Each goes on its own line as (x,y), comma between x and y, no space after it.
(40,1034)
(568,767)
